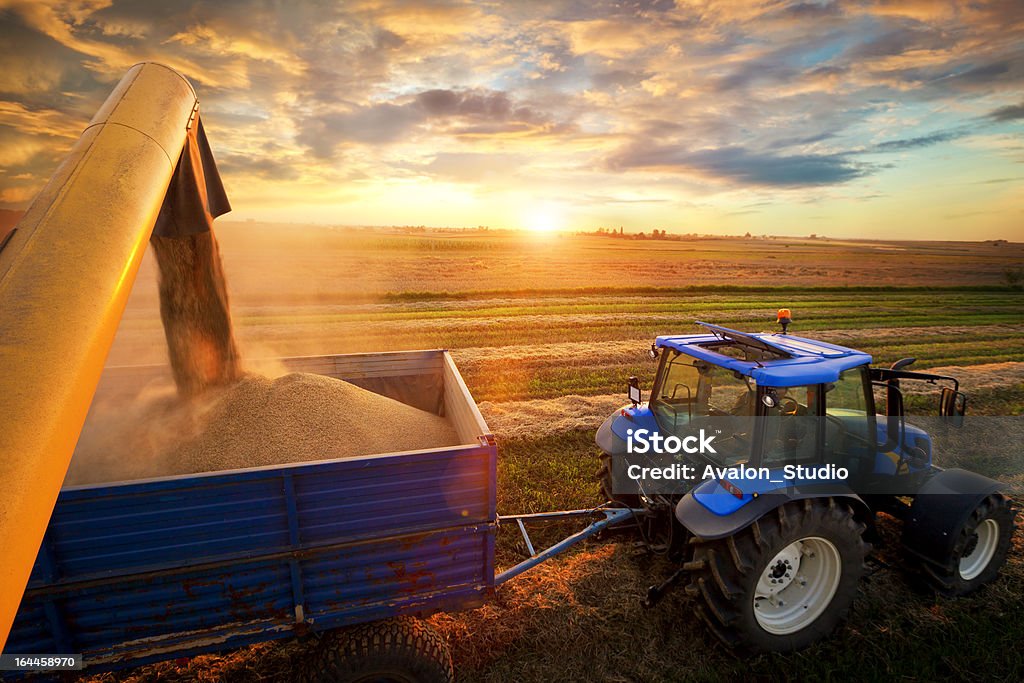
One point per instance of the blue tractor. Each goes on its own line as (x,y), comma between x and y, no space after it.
(759,465)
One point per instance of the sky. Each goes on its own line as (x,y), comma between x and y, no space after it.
(876,119)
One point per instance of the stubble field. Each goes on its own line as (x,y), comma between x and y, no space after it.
(546,330)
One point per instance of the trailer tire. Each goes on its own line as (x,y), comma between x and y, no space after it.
(810,552)
(604,477)
(979,552)
(403,650)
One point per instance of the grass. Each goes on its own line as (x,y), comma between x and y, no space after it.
(581,620)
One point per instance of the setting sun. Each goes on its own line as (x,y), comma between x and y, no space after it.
(544,218)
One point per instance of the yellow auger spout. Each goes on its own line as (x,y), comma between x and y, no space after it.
(65,275)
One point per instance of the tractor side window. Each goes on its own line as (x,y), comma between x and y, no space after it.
(791,432)
(847,424)
(690,397)
(846,396)
(674,402)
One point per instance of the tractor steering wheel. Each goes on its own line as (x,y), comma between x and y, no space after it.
(789,405)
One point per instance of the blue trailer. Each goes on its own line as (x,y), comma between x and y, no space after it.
(135,572)
(140,571)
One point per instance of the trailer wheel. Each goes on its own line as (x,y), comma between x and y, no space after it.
(783,582)
(979,552)
(604,477)
(401,650)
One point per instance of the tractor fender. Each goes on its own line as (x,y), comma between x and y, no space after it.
(940,509)
(606,438)
(702,522)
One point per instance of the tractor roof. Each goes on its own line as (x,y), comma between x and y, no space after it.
(785,360)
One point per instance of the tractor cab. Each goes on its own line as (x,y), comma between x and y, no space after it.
(772,399)
(775,399)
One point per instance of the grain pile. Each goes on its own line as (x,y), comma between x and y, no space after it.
(255,421)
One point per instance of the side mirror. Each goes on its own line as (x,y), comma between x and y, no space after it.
(634,390)
(952,407)
(902,363)
(653,353)
(894,421)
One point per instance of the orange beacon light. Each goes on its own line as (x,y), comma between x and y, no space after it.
(784,318)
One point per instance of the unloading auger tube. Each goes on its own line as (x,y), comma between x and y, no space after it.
(65,275)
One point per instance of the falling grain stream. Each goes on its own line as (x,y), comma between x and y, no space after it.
(195,312)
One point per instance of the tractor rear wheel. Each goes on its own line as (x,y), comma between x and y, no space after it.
(604,478)
(783,582)
(979,552)
(400,650)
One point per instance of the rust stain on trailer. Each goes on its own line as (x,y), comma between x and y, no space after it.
(409,574)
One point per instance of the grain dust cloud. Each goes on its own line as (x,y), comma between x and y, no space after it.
(216,416)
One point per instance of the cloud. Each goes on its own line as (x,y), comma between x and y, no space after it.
(619,77)
(1010,112)
(265,167)
(377,124)
(983,73)
(488,105)
(740,165)
(901,40)
(920,141)
(613,39)
(455,112)
(469,167)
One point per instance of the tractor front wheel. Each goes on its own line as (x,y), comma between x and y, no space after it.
(604,478)
(785,581)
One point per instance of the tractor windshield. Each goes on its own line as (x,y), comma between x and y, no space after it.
(691,395)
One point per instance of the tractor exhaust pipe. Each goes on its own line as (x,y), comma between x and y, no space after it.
(65,275)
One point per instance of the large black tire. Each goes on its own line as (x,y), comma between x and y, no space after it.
(960,578)
(604,477)
(401,650)
(726,576)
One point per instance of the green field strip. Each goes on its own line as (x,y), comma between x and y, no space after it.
(686,290)
(804,306)
(808,307)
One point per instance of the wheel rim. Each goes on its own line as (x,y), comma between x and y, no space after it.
(797,586)
(981,547)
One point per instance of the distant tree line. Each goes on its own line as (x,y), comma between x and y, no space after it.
(657,234)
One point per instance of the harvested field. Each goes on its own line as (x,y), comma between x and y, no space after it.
(546,337)
(543,417)
(257,421)
(990,376)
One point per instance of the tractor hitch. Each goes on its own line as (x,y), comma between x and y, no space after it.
(656,593)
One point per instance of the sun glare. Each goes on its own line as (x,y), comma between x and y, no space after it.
(544,219)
